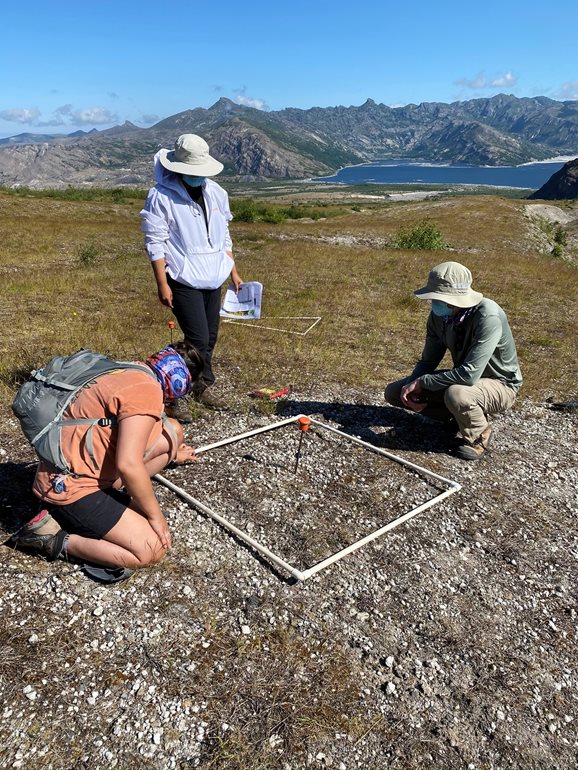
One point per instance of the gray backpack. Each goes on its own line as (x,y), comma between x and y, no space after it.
(41,402)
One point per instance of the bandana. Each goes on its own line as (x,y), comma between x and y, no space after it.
(172,373)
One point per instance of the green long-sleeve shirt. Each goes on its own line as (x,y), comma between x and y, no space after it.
(481,346)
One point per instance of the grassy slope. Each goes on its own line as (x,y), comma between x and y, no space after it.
(372,327)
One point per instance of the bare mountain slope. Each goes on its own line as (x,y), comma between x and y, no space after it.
(300,143)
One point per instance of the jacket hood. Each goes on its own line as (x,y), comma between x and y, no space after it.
(168,179)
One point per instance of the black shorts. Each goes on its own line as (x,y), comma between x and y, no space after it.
(93,515)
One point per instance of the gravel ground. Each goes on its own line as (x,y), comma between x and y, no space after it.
(449,642)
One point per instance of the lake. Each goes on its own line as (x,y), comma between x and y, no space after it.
(529,176)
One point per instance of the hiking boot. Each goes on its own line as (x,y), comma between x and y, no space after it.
(179,410)
(476,449)
(43,533)
(210,400)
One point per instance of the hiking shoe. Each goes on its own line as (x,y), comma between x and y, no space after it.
(43,533)
(477,449)
(210,400)
(179,410)
(106,574)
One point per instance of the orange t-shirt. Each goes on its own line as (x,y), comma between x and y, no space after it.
(122,393)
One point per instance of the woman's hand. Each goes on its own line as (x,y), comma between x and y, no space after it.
(163,289)
(160,527)
(165,295)
(185,454)
(236,278)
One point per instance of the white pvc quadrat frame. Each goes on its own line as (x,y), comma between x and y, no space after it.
(452,487)
(316,319)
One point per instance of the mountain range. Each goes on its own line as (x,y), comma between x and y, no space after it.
(297,143)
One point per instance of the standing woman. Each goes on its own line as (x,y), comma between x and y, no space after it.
(185,222)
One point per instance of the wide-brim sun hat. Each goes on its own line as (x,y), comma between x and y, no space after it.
(190,156)
(450,282)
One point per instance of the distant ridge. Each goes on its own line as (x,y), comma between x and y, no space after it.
(296,143)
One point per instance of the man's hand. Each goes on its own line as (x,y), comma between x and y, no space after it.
(411,396)
(185,454)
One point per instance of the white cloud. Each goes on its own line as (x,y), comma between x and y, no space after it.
(65,115)
(568,90)
(241,97)
(94,116)
(150,118)
(28,115)
(481,81)
(505,80)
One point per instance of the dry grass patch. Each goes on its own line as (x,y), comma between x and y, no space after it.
(75,274)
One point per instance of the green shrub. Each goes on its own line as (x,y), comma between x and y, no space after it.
(558,250)
(88,253)
(244,211)
(116,194)
(423,235)
(248,210)
(272,215)
(560,236)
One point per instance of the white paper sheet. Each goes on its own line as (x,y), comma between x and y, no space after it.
(246,305)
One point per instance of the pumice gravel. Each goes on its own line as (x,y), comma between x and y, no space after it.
(449,642)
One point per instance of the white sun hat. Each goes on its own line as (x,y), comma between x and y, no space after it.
(190,156)
(450,282)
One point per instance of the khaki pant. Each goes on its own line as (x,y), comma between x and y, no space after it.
(469,405)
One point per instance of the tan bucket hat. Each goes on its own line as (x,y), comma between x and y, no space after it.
(450,282)
(190,156)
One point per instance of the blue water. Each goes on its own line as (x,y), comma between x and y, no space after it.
(531,176)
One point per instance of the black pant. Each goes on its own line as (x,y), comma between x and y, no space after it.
(197,312)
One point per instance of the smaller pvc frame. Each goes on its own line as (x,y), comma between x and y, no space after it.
(313,318)
(452,486)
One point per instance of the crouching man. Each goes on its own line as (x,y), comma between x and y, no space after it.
(105,513)
(485,376)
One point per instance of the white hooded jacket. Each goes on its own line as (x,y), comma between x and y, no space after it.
(175,230)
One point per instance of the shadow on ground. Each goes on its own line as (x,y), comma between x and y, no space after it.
(385,427)
(17,503)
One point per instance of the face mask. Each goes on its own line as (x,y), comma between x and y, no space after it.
(441,309)
(193,181)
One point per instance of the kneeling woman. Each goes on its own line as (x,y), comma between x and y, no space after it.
(88,515)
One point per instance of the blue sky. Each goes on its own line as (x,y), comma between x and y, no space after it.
(70,65)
